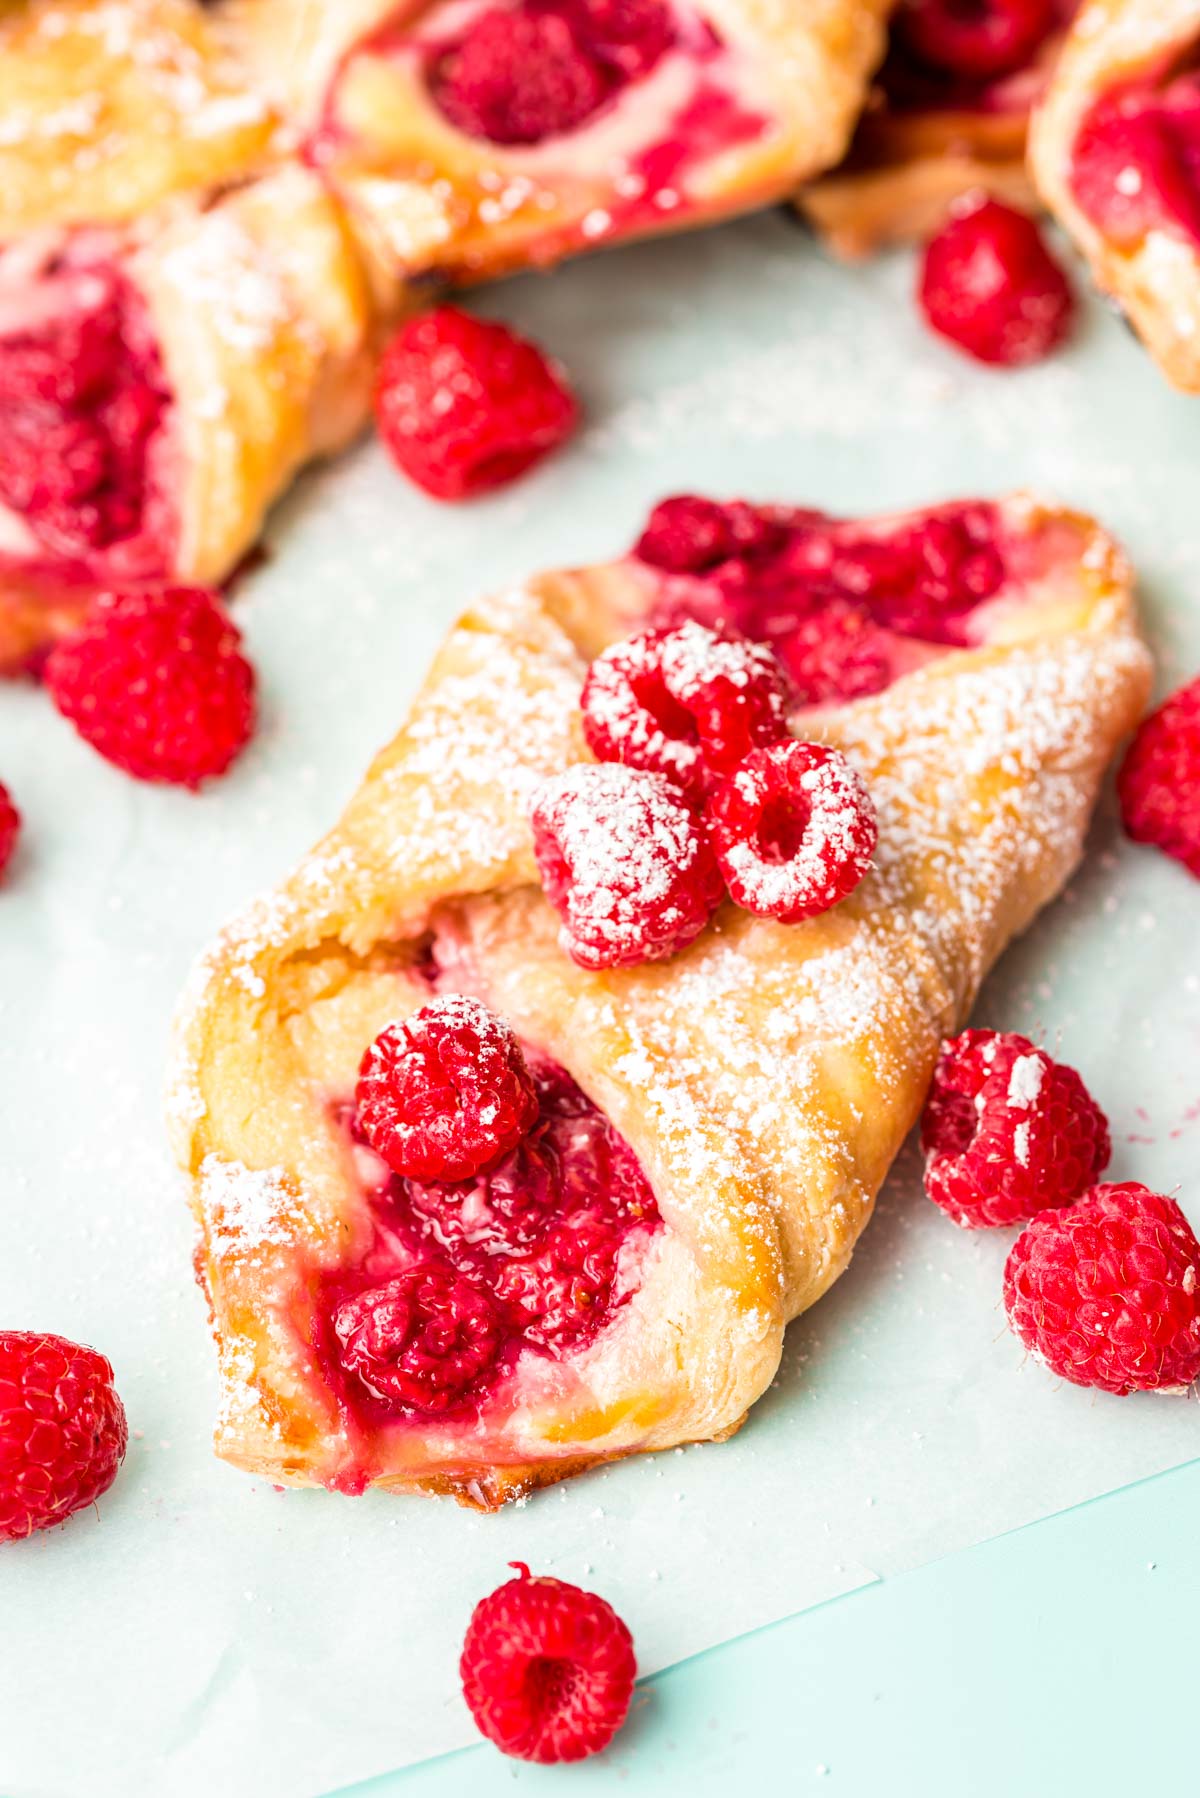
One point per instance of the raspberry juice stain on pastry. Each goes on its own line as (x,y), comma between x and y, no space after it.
(1135,164)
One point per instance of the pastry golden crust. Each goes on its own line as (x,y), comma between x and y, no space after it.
(261,319)
(765,1076)
(1156,277)
(908,164)
(111,106)
(427,197)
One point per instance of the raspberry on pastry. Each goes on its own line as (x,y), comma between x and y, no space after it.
(1106,1292)
(794,831)
(1007,1132)
(991,287)
(547,1669)
(948,119)
(157,684)
(711,1127)
(625,862)
(1115,153)
(442,1094)
(10,828)
(465,405)
(63,1431)
(467,141)
(157,392)
(689,703)
(1159,780)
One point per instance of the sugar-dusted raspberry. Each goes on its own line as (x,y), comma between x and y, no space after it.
(464,405)
(10,828)
(989,284)
(62,1430)
(445,1092)
(794,831)
(690,703)
(547,1669)
(1105,1292)
(624,861)
(834,651)
(518,76)
(1159,781)
(689,535)
(1007,1132)
(978,40)
(156,683)
(421,1340)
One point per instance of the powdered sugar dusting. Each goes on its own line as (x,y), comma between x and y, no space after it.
(1025,1081)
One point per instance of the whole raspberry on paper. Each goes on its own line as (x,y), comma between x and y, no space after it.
(63,1432)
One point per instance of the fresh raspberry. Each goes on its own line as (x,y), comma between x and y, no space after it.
(1104,1292)
(504,1209)
(627,37)
(834,651)
(794,831)
(1159,781)
(688,535)
(157,684)
(625,862)
(1007,1132)
(978,40)
(62,1430)
(689,703)
(518,77)
(464,405)
(446,1092)
(989,284)
(10,828)
(421,1340)
(547,1669)
(564,1290)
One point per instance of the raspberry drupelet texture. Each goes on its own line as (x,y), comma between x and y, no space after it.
(547,1669)
(446,1092)
(157,684)
(421,1340)
(1007,1132)
(1105,1292)
(464,405)
(977,40)
(62,1430)
(1159,781)
(625,862)
(990,286)
(690,703)
(794,831)
(10,828)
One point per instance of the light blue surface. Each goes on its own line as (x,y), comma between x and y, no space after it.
(1055,1662)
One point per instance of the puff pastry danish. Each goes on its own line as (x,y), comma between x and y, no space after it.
(742,1100)
(1115,152)
(158,392)
(470,137)
(925,140)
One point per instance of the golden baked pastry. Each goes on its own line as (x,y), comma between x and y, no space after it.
(455,158)
(763,1078)
(1115,152)
(193,370)
(924,141)
(107,107)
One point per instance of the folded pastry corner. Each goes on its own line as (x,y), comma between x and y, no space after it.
(159,389)
(712,1129)
(1115,152)
(469,137)
(928,137)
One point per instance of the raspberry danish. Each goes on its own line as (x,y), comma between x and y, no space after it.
(948,117)
(159,389)
(631,1177)
(1115,152)
(470,137)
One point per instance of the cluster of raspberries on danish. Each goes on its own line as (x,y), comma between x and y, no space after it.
(1102,1284)
(523,73)
(501,1219)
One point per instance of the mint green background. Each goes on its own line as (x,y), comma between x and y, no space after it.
(1056,1662)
